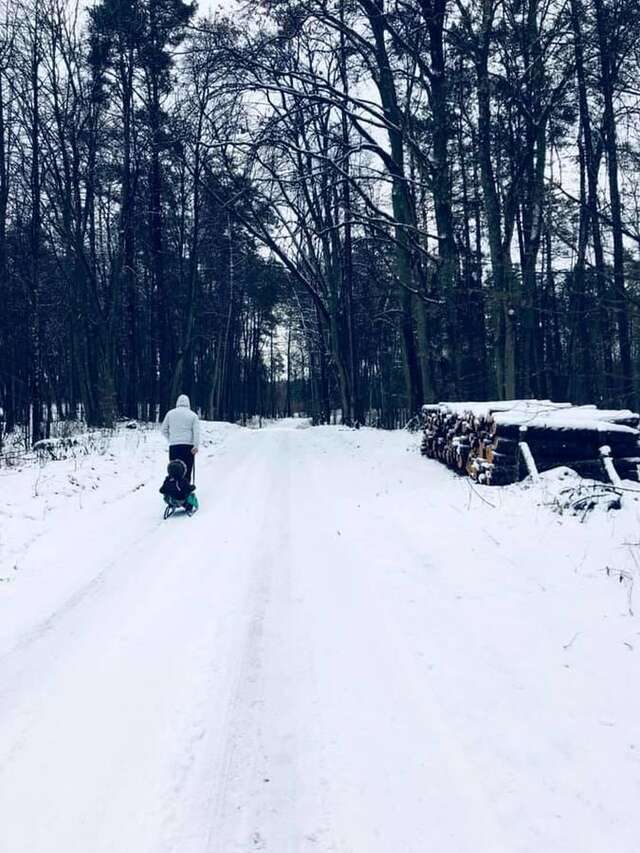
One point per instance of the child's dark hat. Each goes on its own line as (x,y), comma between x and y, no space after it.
(177,469)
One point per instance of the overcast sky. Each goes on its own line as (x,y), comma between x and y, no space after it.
(227,6)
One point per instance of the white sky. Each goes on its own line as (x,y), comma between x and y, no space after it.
(226,6)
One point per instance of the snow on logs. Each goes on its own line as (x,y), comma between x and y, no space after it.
(501,442)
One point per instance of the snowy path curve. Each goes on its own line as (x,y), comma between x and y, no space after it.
(333,655)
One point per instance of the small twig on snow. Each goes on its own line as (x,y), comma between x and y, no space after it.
(468,482)
(572,640)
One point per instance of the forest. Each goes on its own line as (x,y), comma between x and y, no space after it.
(342,208)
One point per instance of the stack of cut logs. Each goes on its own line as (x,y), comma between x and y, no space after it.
(502,442)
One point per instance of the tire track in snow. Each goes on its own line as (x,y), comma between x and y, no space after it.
(236,764)
(261,793)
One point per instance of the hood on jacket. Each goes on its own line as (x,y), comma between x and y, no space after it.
(183,400)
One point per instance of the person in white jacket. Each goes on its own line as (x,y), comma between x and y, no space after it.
(181,428)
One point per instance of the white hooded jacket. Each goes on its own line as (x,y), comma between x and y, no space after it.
(181,425)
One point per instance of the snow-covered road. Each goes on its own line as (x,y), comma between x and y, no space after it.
(345,650)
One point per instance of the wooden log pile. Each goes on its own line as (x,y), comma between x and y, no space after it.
(489,441)
(447,437)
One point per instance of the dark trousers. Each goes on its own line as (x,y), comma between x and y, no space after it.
(183,452)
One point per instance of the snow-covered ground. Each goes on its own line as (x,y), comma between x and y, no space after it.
(347,649)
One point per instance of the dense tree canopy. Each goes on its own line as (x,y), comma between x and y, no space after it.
(328,206)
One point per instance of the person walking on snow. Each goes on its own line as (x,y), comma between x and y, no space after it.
(181,428)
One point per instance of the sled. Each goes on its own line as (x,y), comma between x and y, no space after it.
(190,505)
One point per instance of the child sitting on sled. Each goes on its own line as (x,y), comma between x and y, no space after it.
(177,490)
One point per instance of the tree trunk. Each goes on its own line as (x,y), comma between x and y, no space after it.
(626,387)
